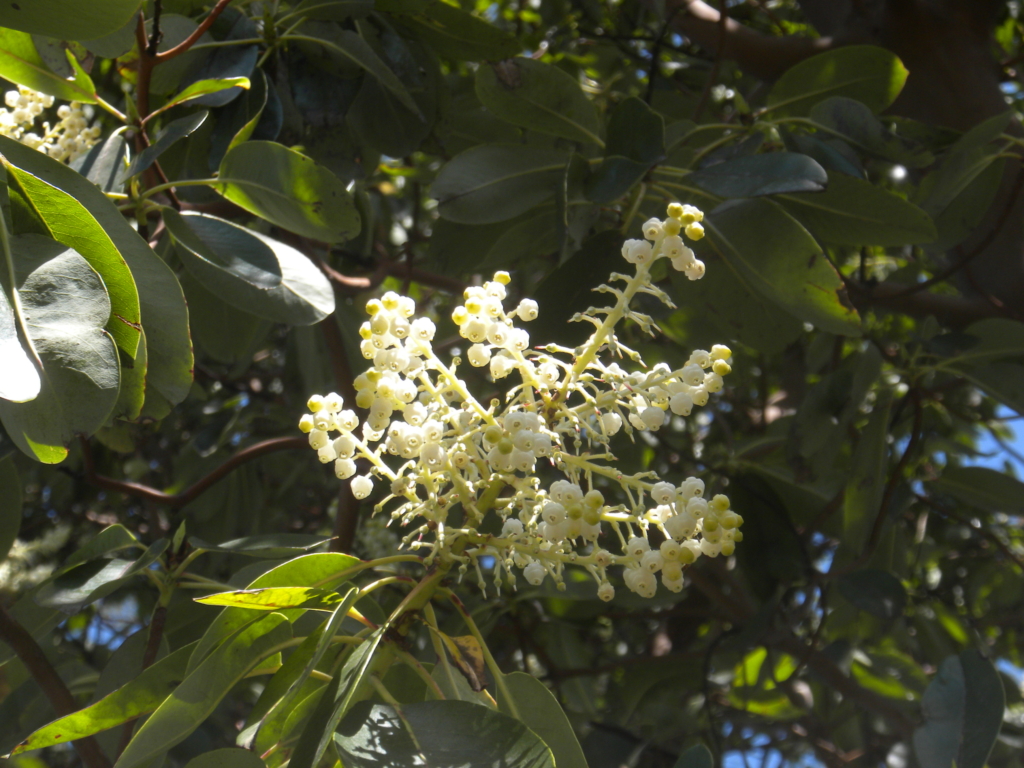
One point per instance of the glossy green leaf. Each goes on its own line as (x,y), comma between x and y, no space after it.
(867,73)
(229,757)
(981,487)
(788,268)
(497,182)
(451,31)
(68,19)
(635,131)
(131,392)
(103,164)
(250,271)
(172,132)
(269,545)
(21,63)
(1003,381)
(174,30)
(88,582)
(11,497)
(540,711)
(697,756)
(316,570)
(351,48)
(864,490)
(221,331)
(69,222)
(194,700)
(461,249)
(169,363)
(540,97)
(984,703)
(288,189)
(114,44)
(334,10)
(113,538)
(137,697)
(443,733)
(19,377)
(381,122)
(65,306)
(202,88)
(855,212)
(275,598)
(854,122)
(877,592)
(754,175)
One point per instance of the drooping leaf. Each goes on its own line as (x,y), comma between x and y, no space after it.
(451,31)
(697,756)
(88,582)
(538,96)
(69,222)
(68,19)
(984,703)
(288,189)
(221,331)
(334,10)
(140,696)
(65,306)
(169,361)
(1003,381)
(21,63)
(11,498)
(497,182)
(460,249)
(877,592)
(767,174)
(231,60)
(443,732)
(864,491)
(540,711)
(103,164)
(854,122)
(268,545)
(174,30)
(194,700)
(19,378)
(636,140)
(172,132)
(201,88)
(867,73)
(852,211)
(229,757)
(981,487)
(788,268)
(250,271)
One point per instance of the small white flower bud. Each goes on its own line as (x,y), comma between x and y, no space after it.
(535,573)
(479,355)
(652,228)
(652,560)
(611,422)
(652,417)
(636,546)
(527,310)
(362,486)
(663,493)
(327,454)
(606,592)
(318,439)
(344,468)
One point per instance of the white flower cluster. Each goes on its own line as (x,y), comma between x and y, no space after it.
(70,138)
(456,454)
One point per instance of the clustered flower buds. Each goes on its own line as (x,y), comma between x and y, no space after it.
(450,451)
(70,138)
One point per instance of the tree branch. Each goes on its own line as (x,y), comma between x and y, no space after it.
(199,31)
(197,488)
(63,703)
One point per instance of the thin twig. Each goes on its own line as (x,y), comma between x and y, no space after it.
(191,40)
(63,703)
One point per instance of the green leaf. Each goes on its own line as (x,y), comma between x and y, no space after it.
(334,10)
(113,538)
(853,122)
(19,378)
(697,756)
(866,73)
(21,63)
(88,582)
(103,164)
(12,494)
(202,88)
(250,271)
(140,696)
(1003,381)
(868,478)
(268,545)
(69,222)
(288,189)
(442,733)
(539,96)
(768,174)
(229,757)
(131,392)
(68,19)
(855,212)
(351,48)
(195,699)
(614,178)
(172,132)
(316,570)
(450,31)
(275,598)
(497,182)
(540,711)
(110,45)
(985,341)
(174,30)
(221,331)
(65,305)
(462,249)
(983,488)
(164,315)
(636,140)
(788,267)
(875,591)
(984,702)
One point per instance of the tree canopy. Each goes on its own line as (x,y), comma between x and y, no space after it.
(199,199)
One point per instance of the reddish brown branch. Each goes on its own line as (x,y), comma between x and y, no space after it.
(197,488)
(199,31)
(63,703)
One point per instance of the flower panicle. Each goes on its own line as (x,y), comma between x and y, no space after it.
(435,447)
